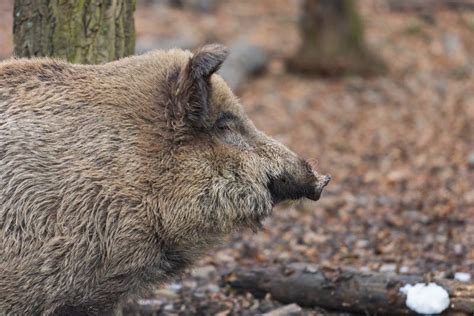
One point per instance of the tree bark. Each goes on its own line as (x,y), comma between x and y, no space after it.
(344,289)
(81,31)
(333,41)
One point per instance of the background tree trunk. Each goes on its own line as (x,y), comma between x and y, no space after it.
(81,31)
(333,41)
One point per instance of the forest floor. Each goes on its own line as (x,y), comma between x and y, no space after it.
(400,148)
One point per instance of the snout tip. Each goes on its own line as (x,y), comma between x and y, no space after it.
(326,180)
(288,187)
(323,181)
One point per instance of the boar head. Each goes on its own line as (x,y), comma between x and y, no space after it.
(227,174)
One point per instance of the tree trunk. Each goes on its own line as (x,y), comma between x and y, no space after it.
(333,41)
(344,289)
(81,31)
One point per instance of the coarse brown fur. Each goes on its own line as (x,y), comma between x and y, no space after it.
(116,177)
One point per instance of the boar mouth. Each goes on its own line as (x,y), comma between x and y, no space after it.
(286,187)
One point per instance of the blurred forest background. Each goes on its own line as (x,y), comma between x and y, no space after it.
(398,138)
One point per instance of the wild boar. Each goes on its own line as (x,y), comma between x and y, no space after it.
(116,177)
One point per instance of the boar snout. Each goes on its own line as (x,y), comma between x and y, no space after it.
(322,181)
(299,183)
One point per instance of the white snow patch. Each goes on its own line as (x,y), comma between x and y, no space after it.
(153,302)
(426,298)
(462,276)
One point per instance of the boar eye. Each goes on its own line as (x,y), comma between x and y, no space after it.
(228,128)
(224,121)
(222,125)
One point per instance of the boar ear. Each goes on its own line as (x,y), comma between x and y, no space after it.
(193,85)
(207,60)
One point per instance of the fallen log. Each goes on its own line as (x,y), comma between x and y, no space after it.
(428,5)
(344,289)
(460,4)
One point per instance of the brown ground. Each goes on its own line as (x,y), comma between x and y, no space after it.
(398,147)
